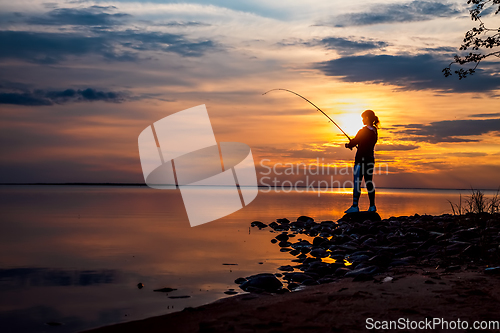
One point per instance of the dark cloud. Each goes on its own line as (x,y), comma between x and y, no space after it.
(441,49)
(339,44)
(469,154)
(183,24)
(50,48)
(451,130)
(40,97)
(348,46)
(485,115)
(387,147)
(145,41)
(410,72)
(91,16)
(394,13)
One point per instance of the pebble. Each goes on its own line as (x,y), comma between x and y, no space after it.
(165,290)
(231,292)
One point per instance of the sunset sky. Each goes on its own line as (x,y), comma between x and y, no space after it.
(79,81)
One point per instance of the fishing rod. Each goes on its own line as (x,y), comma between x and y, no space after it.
(315,107)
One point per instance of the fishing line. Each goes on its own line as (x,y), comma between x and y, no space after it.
(314,106)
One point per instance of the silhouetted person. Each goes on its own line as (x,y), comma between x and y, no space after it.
(364,162)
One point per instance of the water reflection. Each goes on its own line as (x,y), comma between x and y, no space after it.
(74,255)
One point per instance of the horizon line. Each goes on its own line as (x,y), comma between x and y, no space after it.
(259,186)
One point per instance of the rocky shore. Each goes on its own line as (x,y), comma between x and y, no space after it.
(360,270)
(363,246)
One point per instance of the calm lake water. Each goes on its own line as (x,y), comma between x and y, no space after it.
(73,255)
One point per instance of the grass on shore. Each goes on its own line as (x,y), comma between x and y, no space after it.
(476,203)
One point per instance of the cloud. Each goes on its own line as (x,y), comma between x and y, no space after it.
(40,97)
(349,46)
(395,13)
(147,41)
(51,48)
(183,24)
(391,147)
(342,45)
(451,130)
(91,16)
(485,115)
(469,154)
(410,72)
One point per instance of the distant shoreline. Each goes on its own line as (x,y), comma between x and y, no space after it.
(145,185)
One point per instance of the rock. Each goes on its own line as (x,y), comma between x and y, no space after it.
(370,270)
(380,260)
(452,268)
(282,291)
(165,290)
(398,262)
(342,271)
(302,244)
(319,253)
(265,281)
(258,224)
(326,279)
(456,248)
(182,296)
(492,270)
(283,221)
(309,282)
(282,227)
(297,277)
(274,225)
(466,234)
(317,241)
(361,217)
(231,292)
(140,285)
(305,219)
(370,242)
(240,280)
(282,237)
(286,268)
(358,258)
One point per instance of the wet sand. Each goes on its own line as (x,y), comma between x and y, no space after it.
(414,293)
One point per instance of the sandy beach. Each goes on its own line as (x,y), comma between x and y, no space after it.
(414,294)
(421,273)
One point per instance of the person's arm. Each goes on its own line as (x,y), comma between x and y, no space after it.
(354,142)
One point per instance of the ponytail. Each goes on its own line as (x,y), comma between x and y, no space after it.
(371,117)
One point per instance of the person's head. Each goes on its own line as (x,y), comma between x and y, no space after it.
(370,119)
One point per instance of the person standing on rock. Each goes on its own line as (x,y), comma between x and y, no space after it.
(364,161)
